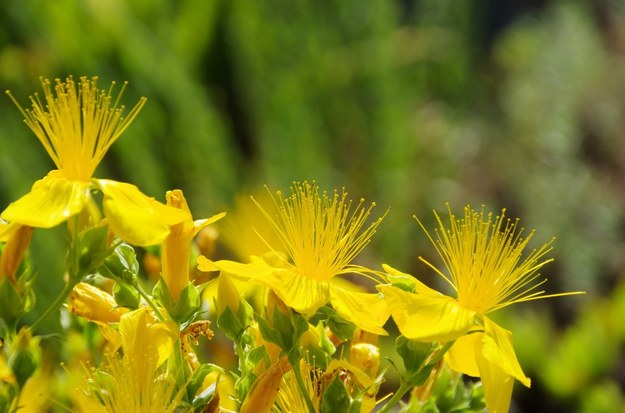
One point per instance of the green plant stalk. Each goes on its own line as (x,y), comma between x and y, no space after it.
(74,279)
(403,389)
(148,299)
(56,304)
(303,389)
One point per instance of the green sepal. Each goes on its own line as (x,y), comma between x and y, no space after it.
(126,296)
(8,392)
(403,282)
(325,343)
(92,250)
(355,407)
(451,394)
(270,334)
(233,324)
(300,325)
(335,398)
(342,329)
(25,356)
(187,305)
(195,384)
(15,303)
(121,265)
(285,329)
(229,323)
(243,385)
(255,357)
(413,353)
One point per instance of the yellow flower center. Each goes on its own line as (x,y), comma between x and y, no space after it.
(78,125)
(483,258)
(321,234)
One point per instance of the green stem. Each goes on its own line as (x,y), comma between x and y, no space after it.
(403,389)
(55,305)
(441,352)
(148,299)
(303,389)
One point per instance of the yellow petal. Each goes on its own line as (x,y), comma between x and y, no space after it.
(265,388)
(93,304)
(497,348)
(367,311)
(298,292)
(427,318)
(135,217)
(6,230)
(146,341)
(199,224)
(35,396)
(228,296)
(6,374)
(52,200)
(17,243)
(364,381)
(241,272)
(497,386)
(461,356)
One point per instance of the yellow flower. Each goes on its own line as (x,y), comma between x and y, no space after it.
(289,397)
(321,235)
(17,238)
(483,259)
(93,304)
(176,248)
(135,380)
(265,388)
(239,233)
(225,389)
(36,394)
(76,124)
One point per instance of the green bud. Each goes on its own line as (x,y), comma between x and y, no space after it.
(25,356)
(121,265)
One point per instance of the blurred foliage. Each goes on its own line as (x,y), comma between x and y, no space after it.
(409,103)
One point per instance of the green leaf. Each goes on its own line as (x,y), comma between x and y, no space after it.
(335,398)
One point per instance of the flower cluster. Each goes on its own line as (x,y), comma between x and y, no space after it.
(291,324)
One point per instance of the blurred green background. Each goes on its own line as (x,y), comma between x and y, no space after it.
(411,103)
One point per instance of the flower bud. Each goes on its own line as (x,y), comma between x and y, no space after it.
(366,357)
(93,304)
(263,393)
(17,241)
